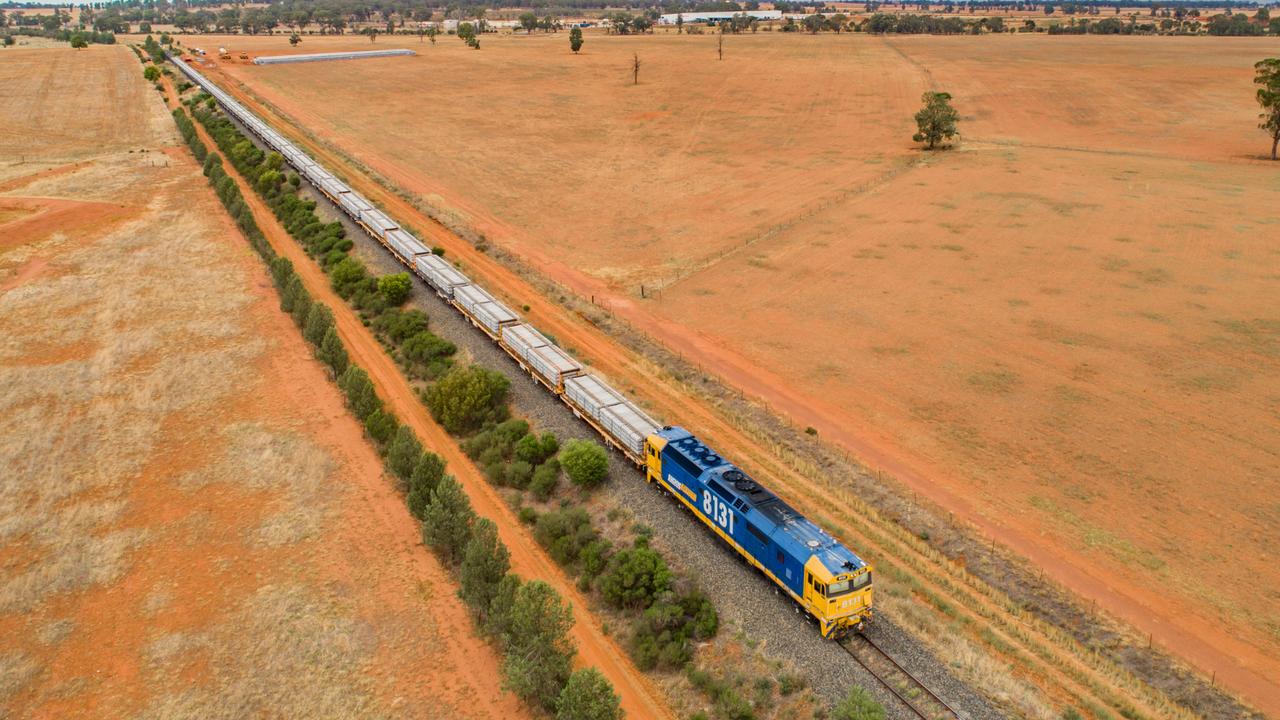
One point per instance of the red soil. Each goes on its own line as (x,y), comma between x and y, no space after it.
(880,297)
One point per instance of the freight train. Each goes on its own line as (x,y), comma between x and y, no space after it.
(824,579)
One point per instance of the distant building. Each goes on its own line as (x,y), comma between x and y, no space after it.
(715,17)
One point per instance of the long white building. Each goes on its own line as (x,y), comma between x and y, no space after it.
(697,17)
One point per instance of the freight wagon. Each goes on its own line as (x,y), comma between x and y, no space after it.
(824,579)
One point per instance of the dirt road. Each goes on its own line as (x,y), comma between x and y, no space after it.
(595,649)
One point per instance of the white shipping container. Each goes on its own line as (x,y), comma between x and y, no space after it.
(591,393)
(523,339)
(628,425)
(484,308)
(553,364)
(407,244)
(378,220)
(442,276)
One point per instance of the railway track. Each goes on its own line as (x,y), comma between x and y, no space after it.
(913,694)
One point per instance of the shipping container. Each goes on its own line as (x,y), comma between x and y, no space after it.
(553,364)
(628,425)
(484,308)
(590,393)
(378,221)
(405,244)
(440,274)
(522,339)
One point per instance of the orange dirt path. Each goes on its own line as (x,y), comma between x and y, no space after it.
(595,649)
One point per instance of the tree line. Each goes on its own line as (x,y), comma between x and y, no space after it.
(528,620)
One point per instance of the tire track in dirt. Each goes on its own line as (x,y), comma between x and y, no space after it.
(639,698)
(644,380)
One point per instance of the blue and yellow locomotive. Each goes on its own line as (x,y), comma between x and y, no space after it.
(823,578)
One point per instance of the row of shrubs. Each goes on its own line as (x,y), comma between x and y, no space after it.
(529,621)
(422,354)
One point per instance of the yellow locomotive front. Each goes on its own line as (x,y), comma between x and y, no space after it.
(839,601)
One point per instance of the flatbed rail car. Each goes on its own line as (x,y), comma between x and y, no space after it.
(824,579)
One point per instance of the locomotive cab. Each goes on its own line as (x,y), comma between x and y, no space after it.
(840,602)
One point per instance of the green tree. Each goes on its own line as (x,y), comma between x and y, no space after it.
(1268,79)
(468,397)
(395,288)
(485,561)
(319,323)
(538,656)
(332,352)
(403,454)
(8,40)
(529,22)
(151,73)
(427,473)
(575,39)
(635,577)
(858,705)
(78,41)
(381,425)
(498,623)
(937,120)
(446,521)
(294,39)
(585,462)
(588,696)
(361,397)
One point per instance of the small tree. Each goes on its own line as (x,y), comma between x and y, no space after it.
(937,120)
(361,397)
(539,655)
(529,22)
(1268,78)
(575,39)
(498,624)
(468,397)
(431,34)
(151,73)
(588,696)
(294,39)
(446,522)
(635,69)
(403,454)
(858,705)
(395,288)
(319,323)
(485,561)
(8,40)
(332,353)
(427,473)
(585,462)
(635,577)
(78,41)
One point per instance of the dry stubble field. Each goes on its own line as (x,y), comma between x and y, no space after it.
(190,523)
(1065,330)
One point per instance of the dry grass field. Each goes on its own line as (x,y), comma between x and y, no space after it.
(191,525)
(1065,330)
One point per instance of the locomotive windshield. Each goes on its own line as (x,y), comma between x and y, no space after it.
(836,589)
